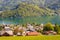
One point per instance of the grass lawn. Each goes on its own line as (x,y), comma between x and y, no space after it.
(56,37)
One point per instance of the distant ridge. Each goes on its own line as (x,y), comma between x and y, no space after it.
(11,4)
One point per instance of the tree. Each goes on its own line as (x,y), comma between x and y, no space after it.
(48,27)
(57,29)
(16,30)
(1,28)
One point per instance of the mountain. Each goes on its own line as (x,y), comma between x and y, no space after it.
(11,4)
(25,10)
(8,4)
(53,4)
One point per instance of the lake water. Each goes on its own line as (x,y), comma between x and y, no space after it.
(38,19)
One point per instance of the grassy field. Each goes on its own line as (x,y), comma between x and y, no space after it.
(56,37)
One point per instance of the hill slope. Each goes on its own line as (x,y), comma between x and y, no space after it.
(27,10)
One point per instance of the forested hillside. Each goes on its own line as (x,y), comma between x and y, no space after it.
(27,10)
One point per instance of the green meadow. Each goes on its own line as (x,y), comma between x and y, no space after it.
(45,37)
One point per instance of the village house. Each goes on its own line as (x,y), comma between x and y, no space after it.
(30,27)
(31,31)
(7,31)
(39,28)
(49,33)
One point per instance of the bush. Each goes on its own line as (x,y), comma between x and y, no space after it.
(48,27)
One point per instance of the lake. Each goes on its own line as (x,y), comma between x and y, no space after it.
(36,19)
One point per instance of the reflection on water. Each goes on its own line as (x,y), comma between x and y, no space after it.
(43,19)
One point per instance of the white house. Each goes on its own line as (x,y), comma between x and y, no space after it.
(7,31)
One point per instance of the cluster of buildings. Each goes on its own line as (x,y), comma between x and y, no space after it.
(19,30)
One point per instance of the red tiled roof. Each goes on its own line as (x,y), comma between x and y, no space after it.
(33,33)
